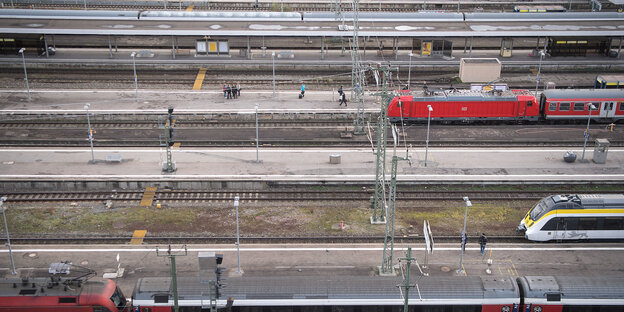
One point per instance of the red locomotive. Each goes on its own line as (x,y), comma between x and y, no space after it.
(508,105)
(62,294)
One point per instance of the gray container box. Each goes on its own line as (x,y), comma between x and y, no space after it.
(601,148)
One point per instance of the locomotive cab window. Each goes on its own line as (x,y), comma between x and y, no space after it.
(564,106)
(529,103)
(579,106)
(621,106)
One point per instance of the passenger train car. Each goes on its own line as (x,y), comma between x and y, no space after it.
(60,294)
(364,294)
(571,293)
(575,217)
(606,105)
(332,293)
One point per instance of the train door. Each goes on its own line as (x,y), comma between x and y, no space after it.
(560,232)
(607,109)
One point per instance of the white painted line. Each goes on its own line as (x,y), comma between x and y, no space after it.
(291,150)
(340,177)
(298,249)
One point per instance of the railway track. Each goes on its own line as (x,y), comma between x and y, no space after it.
(288,143)
(179,125)
(267,196)
(386,6)
(182,239)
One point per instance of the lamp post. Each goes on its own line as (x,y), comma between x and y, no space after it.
(2,200)
(21,51)
(273,59)
(590,107)
(463,244)
(86,108)
(136,85)
(430,109)
(409,70)
(257,158)
(237,235)
(539,71)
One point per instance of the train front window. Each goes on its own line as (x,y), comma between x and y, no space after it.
(118,299)
(545,205)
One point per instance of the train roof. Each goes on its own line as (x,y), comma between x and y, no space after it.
(583,93)
(593,200)
(465,95)
(42,286)
(323,290)
(569,288)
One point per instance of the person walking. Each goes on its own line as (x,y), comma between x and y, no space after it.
(302,89)
(224,92)
(340,91)
(343,100)
(482,242)
(234,91)
(228,89)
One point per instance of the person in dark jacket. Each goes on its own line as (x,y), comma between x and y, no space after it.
(482,242)
(343,99)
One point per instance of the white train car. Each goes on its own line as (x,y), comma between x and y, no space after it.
(575,217)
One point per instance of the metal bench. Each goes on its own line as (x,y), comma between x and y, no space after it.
(113,158)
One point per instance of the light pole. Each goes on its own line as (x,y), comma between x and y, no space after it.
(590,107)
(136,85)
(237,235)
(273,59)
(463,245)
(539,71)
(86,108)
(409,71)
(257,158)
(2,200)
(21,51)
(430,109)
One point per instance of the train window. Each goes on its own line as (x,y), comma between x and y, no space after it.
(529,103)
(67,300)
(551,225)
(587,224)
(621,106)
(161,298)
(552,106)
(564,106)
(613,224)
(579,106)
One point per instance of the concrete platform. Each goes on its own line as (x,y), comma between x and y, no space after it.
(196,167)
(335,260)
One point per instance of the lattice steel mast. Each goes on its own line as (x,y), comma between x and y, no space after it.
(379,213)
(357,73)
(387,267)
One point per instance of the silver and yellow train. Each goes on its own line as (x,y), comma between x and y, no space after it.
(575,217)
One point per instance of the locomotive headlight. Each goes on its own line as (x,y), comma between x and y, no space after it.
(505,309)
(537,309)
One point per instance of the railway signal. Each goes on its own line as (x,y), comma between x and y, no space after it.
(168,125)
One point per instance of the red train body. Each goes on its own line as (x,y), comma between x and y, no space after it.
(47,295)
(466,106)
(509,105)
(608,104)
